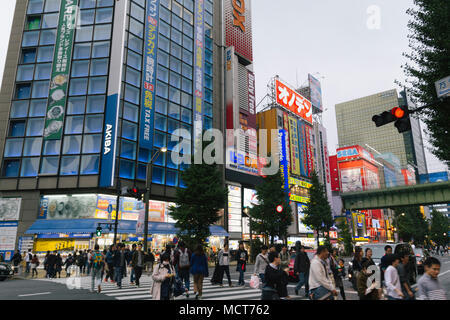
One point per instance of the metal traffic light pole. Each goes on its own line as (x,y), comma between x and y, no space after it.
(117,211)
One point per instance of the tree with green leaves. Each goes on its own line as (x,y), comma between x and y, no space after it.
(346,235)
(411,224)
(265,218)
(318,214)
(440,226)
(429,62)
(197,206)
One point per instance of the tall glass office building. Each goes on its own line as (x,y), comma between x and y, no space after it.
(92,89)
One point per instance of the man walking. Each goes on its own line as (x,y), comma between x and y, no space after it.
(403,273)
(119,264)
(301,268)
(428,285)
(97,262)
(224,265)
(262,261)
(28,259)
(391,278)
(129,261)
(182,258)
(285,258)
(322,287)
(137,263)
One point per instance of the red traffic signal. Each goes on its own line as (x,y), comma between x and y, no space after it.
(397,112)
(279,208)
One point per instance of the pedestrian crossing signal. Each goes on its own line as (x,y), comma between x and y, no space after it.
(98,232)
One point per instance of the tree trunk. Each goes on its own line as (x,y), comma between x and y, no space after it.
(318,243)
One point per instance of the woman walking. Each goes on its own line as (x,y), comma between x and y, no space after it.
(163,278)
(199,269)
(34,265)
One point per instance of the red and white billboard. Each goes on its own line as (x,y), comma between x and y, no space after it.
(293,101)
(238,27)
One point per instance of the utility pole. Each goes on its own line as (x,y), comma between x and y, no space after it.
(116,220)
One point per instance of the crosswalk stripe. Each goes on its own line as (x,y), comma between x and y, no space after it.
(240,296)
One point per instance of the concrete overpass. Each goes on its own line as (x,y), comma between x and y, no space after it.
(420,194)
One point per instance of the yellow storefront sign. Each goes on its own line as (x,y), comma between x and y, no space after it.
(301,183)
(53,245)
(297,198)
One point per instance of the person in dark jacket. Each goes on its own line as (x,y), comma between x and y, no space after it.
(58,265)
(364,292)
(69,261)
(51,265)
(384,262)
(356,265)
(338,269)
(301,268)
(110,264)
(182,258)
(119,262)
(17,259)
(275,286)
(137,262)
(199,269)
(242,259)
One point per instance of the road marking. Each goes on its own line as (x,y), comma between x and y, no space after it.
(33,294)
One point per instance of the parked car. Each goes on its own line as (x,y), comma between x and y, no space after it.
(5,271)
(293,277)
(421,254)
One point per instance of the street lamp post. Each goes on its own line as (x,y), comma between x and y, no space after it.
(148,183)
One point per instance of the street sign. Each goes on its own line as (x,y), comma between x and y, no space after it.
(110,208)
(443,87)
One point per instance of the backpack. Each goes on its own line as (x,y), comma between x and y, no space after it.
(97,260)
(80,260)
(184,259)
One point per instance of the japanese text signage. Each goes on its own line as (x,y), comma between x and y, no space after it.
(238,27)
(149,74)
(199,61)
(293,101)
(60,70)
(295,154)
(443,87)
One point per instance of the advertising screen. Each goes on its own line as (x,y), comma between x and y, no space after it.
(302,228)
(372,181)
(316,92)
(234,209)
(351,180)
(293,101)
(10,209)
(250,198)
(8,233)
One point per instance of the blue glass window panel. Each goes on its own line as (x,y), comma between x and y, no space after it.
(134,43)
(23,91)
(87,17)
(47,37)
(187,71)
(187,85)
(187,16)
(142,172)
(208,69)
(80,68)
(208,18)
(74,125)
(130,112)
(137,12)
(52,5)
(104,15)
(11,168)
(92,143)
(97,85)
(161,105)
(174,95)
(170,163)
(80,51)
(164,43)
(127,169)
(175,64)
(181,182)
(102,32)
(89,164)
(136,28)
(207,123)
(104,3)
(163,58)
(93,124)
(188,29)
(30,38)
(172,126)
(186,115)
(175,50)
(174,111)
(186,127)
(19,109)
(157,175)
(176,36)
(209,56)
(208,110)
(208,31)
(208,96)
(69,165)
(100,49)
(186,100)
(162,89)
(128,150)
(187,56)
(177,23)
(162,74)
(134,60)
(131,94)
(95,104)
(13,147)
(209,44)
(50,21)
(84,34)
(35,127)
(160,159)
(76,105)
(35,6)
(99,67)
(166,3)
(172,178)
(78,87)
(164,29)
(144,155)
(175,80)
(40,89)
(38,108)
(160,140)
(209,7)
(160,122)
(164,14)
(29,167)
(25,73)
(28,55)
(72,145)
(84,4)
(187,43)
(32,147)
(189,4)
(129,130)
(17,128)
(51,147)
(177,9)
(209,82)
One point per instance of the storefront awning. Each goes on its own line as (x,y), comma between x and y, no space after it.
(169,228)
(78,226)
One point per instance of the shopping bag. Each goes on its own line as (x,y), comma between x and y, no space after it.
(254,282)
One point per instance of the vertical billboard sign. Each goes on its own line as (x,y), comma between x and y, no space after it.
(251,100)
(309,149)
(282,139)
(113,99)
(234,209)
(316,92)
(229,88)
(199,61)
(286,129)
(293,134)
(149,75)
(61,70)
(238,27)
(303,152)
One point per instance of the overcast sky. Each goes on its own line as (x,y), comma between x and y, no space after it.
(328,38)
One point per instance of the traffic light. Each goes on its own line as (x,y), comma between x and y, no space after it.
(98,232)
(133,192)
(280,208)
(398,114)
(384,118)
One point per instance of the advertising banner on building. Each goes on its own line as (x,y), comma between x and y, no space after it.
(302,146)
(390,178)
(294,147)
(288,144)
(234,209)
(238,27)
(302,228)
(59,81)
(309,149)
(316,92)
(284,166)
(149,75)
(351,180)
(25,244)
(251,99)
(8,234)
(10,209)
(293,101)
(109,146)
(371,180)
(70,207)
(199,62)
(250,198)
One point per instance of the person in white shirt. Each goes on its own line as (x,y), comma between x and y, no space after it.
(224,263)
(321,283)
(261,263)
(392,279)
